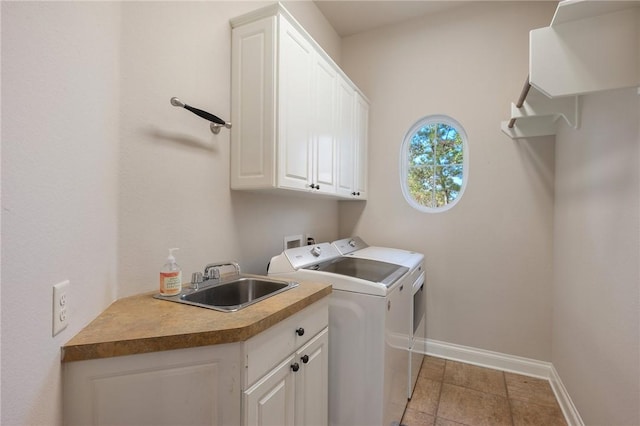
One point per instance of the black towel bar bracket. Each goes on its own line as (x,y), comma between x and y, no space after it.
(216,122)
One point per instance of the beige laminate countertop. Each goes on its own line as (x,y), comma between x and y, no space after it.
(140,324)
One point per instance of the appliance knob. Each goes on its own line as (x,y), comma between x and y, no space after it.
(305,358)
(316,251)
(295,367)
(352,243)
(300,331)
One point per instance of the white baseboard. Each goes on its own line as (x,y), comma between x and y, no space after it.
(566,404)
(512,364)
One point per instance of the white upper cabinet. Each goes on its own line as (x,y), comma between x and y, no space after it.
(323,126)
(345,132)
(298,119)
(360,140)
(294,131)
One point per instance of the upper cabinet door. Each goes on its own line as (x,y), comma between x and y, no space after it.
(324,137)
(295,78)
(361,138)
(345,132)
(253,106)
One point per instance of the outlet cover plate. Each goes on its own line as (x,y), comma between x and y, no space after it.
(292,241)
(60,306)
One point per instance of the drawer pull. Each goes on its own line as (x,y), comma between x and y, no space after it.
(300,331)
(305,358)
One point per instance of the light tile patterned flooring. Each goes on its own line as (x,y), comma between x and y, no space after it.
(450,393)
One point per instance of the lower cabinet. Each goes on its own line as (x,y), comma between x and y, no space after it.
(294,392)
(196,386)
(278,377)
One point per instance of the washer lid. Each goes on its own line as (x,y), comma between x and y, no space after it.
(391,255)
(364,269)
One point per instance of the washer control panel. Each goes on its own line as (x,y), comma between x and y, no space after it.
(302,257)
(348,245)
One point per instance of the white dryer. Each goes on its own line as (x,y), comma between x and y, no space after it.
(355,247)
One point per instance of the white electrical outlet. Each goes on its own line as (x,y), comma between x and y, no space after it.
(60,306)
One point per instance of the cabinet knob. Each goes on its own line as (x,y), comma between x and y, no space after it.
(300,331)
(312,186)
(295,367)
(304,358)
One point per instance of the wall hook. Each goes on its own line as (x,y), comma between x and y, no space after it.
(216,122)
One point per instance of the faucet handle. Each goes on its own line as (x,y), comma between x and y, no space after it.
(211,273)
(196,280)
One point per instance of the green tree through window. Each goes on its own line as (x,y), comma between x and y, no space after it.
(433,166)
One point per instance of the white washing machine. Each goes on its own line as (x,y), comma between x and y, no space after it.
(417,326)
(369,311)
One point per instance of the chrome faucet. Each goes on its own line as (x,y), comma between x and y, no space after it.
(211,273)
(212,270)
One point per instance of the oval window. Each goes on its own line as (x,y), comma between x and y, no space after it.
(434,163)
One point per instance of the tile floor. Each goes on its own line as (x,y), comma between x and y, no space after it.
(450,393)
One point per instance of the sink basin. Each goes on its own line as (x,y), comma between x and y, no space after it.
(232,294)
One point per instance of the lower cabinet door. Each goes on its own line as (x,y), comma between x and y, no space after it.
(195,386)
(312,381)
(270,402)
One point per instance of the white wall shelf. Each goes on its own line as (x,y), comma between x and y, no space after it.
(539,114)
(590,46)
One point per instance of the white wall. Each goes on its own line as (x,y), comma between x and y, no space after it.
(100,174)
(489,257)
(59,188)
(174,173)
(596,323)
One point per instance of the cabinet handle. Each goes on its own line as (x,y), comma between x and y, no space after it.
(304,358)
(300,331)
(295,367)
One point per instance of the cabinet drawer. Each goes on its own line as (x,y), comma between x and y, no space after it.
(269,348)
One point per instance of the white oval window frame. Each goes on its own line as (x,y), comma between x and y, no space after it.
(404,157)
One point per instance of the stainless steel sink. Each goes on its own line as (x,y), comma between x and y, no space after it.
(232,294)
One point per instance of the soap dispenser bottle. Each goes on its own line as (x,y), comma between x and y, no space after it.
(170,276)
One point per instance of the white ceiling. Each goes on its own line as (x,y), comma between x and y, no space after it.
(350,17)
